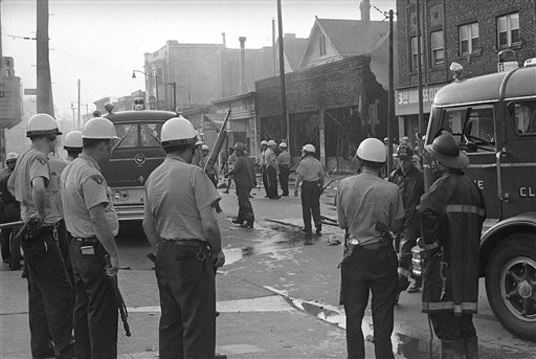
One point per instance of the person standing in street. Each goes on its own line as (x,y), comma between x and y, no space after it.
(49,289)
(410,182)
(452,213)
(245,180)
(180,222)
(231,161)
(283,162)
(310,175)
(272,169)
(92,222)
(73,145)
(369,263)
(205,150)
(10,213)
(262,164)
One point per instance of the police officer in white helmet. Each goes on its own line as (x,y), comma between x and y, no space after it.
(73,145)
(92,222)
(49,289)
(370,262)
(180,222)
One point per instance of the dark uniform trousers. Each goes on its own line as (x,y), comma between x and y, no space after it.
(271,175)
(10,244)
(265,179)
(185,276)
(245,210)
(49,295)
(284,172)
(362,273)
(408,240)
(96,309)
(310,200)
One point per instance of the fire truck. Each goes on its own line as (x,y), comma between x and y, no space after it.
(137,155)
(494,119)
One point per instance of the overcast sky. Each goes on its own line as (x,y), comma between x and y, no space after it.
(101,42)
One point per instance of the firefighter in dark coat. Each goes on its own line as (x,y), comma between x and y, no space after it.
(410,181)
(244,174)
(452,213)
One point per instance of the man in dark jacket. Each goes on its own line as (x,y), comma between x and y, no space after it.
(410,182)
(452,213)
(244,174)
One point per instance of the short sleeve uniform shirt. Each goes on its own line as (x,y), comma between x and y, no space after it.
(175,193)
(84,187)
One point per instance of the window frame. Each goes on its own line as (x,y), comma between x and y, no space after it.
(322,45)
(471,38)
(509,30)
(434,50)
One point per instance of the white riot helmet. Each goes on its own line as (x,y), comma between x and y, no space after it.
(73,141)
(264,143)
(204,147)
(178,131)
(11,157)
(272,143)
(99,128)
(371,150)
(283,145)
(42,124)
(308,148)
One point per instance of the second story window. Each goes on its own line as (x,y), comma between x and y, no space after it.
(508,30)
(415,53)
(322,44)
(437,47)
(468,38)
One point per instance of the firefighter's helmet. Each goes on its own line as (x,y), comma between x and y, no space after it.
(12,157)
(283,145)
(42,124)
(371,150)
(99,128)
(239,146)
(404,151)
(445,149)
(264,143)
(73,141)
(308,148)
(178,131)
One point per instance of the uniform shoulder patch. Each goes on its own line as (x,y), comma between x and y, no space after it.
(41,159)
(98,178)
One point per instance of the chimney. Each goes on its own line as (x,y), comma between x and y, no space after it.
(364,7)
(242,40)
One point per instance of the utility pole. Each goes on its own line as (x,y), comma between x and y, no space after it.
(78,118)
(2,132)
(44,83)
(390,97)
(419,65)
(285,120)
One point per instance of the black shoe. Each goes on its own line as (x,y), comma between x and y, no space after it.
(237,221)
(220,356)
(319,230)
(277,197)
(248,224)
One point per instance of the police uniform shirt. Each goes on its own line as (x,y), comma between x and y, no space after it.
(56,165)
(84,187)
(364,200)
(284,158)
(175,193)
(310,169)
(270,159)
(31,165)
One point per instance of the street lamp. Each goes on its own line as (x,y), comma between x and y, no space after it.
(174,86)
(155,76)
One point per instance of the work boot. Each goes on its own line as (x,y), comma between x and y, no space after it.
(471,348)
(238,221)
(308,238)
(416,286)
(453,349)
(248,224)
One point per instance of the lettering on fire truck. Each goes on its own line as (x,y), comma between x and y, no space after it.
(480,184)
(527,192)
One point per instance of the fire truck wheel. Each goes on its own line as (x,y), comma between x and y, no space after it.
(511,284)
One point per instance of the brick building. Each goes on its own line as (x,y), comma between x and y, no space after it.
(478,34)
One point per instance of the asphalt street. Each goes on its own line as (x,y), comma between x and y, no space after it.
(278,298)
